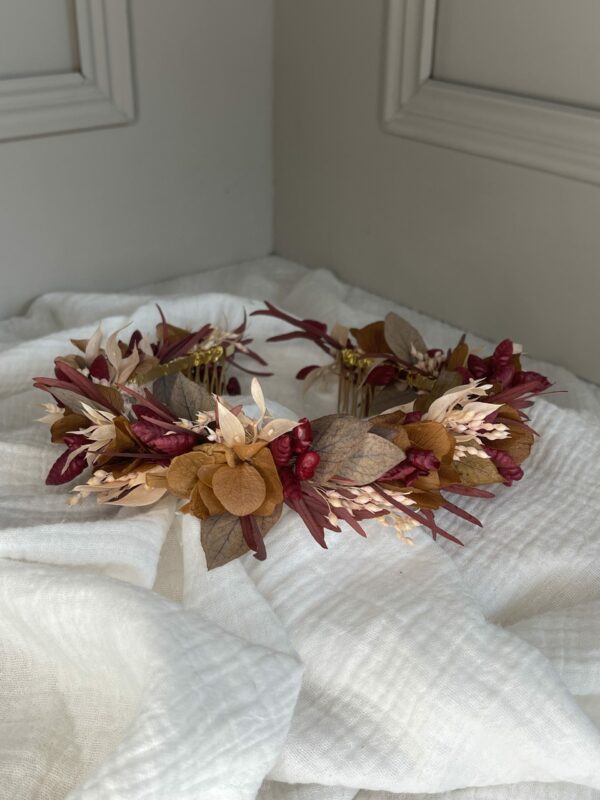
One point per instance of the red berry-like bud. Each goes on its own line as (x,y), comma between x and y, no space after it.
(282,449)
(423,460)
(233,386)
(291,486)
(307,464)
(382,375)
(302,435)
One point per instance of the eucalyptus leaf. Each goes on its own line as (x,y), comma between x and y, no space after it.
(373,457)
(334,438)
(222,538)
(475,471)
(74,401)
(183,397)
(402,337)
(390,397)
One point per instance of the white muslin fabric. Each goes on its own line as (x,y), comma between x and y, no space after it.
(373,670)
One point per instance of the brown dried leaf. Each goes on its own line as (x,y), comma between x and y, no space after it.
(431,436)
(520,442)
(67,424)
(241,489)
(370,460)
(371,338)
(334,438)
(112,395)
(222,538)
(446,380)
(80,344)
(476,471)
(458,356)
(183,397)
(173,333)
(400,336)
(391,396)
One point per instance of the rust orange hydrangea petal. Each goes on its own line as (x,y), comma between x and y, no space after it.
(241,489)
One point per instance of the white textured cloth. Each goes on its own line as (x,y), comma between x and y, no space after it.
(429,671)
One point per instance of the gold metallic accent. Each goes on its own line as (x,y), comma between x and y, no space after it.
(207,367)
(354,395)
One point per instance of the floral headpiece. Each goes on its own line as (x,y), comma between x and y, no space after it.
(387,363)
(235,472)
(202,355)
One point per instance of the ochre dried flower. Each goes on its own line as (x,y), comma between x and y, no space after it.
(215,478)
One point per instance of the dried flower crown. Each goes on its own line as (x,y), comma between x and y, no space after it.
(454,435)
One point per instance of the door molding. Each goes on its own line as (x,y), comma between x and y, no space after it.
(554,137)
(99,94)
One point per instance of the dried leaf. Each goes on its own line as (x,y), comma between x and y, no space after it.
(371,338)
(140,496)
(65,468)
(334,438)
(431,436)
(476,471)
(112,396)
(92,346)
(458,356)
(518,445)
(445,381)
(258,397)
(67,424)
(183,397)
(240,489)
(80,344)
(275,428)
(390,397)
(222,538)
(402,337)
(230,427)
(370,460)
(74,401)
(340,334)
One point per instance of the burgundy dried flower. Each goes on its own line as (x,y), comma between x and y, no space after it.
(506,465)
(423,460)
(477,368)
(99,368)
(282,450)
(381,375)
(503,354)
(172,443)
(542,383)
(302,436)
(306,465)
(417,464)
(290,483)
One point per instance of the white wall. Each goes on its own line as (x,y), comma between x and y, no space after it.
(188,185)
(496,248)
